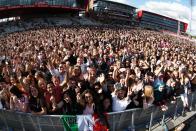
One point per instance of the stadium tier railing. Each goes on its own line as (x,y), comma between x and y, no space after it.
(133,119)
(66,3)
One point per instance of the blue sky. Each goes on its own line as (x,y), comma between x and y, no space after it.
(178,9)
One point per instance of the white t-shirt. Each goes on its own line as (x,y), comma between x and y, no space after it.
(119,105)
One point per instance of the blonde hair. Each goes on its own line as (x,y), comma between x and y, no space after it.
(148,91)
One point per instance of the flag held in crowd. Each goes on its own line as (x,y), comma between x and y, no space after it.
(82,123)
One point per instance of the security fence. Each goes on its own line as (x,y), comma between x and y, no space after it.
(133,119)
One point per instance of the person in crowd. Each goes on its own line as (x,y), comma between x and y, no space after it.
(171,90)
(42,86)
(136,88)
(18,100)
(119,98)
(37,104)
(57,89)
(4,96)
(148,96)
(15,82)
(159,94)
(107,104)
(70,106)
(88,103)
(52,100)
(186,88)
(39,76)
(60,72)
(149,78)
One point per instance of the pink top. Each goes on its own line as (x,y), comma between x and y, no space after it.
(89,110)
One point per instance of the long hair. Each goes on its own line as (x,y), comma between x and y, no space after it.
(38,90)
(148,92)
(14,90)
(83,101)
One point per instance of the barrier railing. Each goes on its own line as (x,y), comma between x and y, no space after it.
(133,119)
(70,3)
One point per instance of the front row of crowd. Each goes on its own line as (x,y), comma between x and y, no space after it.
(44,93)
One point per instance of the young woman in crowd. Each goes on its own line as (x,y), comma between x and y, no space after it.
(148,96)
(69,105)
(88,103)
(37,104)
(52,100)
(42,86)
(18,100)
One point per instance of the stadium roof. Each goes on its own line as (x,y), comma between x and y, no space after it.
(11,11)
(116,3)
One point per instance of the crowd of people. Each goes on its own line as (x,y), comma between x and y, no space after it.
(87,70)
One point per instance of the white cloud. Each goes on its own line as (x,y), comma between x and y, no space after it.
(171,9)
(178,0)
(128,2)
(120,1)
(194,21)
(174,10)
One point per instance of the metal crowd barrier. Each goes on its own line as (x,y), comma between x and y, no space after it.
(129,120)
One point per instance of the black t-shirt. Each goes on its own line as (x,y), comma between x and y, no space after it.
(36,104)
(104,67)
(72,108)
(68,108)
(72,60)
(139,99)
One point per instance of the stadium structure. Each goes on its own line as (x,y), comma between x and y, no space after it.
(27,14)
(114,13)
(107,12)
(10,8)
(159,22)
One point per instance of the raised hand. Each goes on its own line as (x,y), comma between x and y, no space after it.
(129,92)
(101,78)
(49,66)
(115,68)
(118,65)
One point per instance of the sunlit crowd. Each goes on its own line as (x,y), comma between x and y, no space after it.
(83,70)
